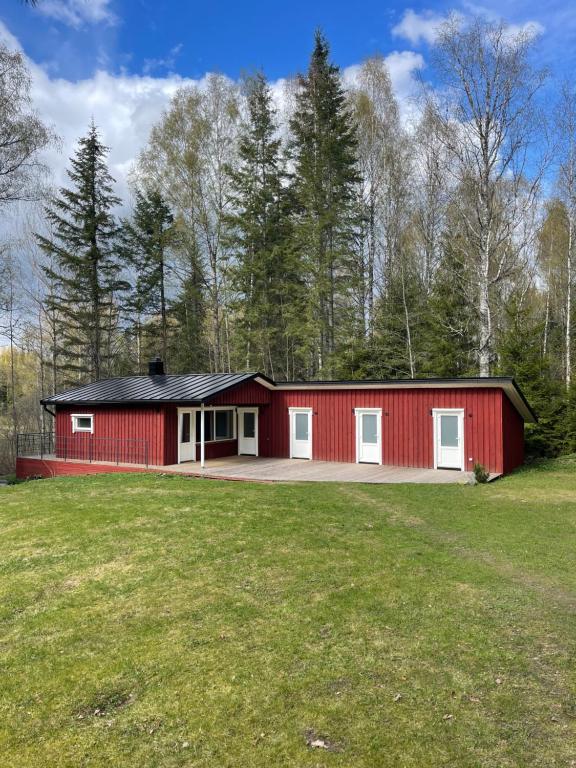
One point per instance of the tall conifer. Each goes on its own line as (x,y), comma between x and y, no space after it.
(324,183)
(265,276)
(147,239)
(84,267)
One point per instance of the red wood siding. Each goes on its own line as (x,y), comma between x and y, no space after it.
(493,433)
(513,436)
(407,424)
(138,422)
(27,468)
(247,394)
(170,434)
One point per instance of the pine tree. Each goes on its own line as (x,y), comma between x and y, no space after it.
(325,186)
(84,269)
(264,274)
(146,241)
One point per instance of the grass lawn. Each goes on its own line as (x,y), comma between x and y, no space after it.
(157,621)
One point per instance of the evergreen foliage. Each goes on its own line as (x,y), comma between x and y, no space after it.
(84,269)
(265,273)
(146,240)
(326,223)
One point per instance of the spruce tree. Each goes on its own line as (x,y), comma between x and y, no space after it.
(324,183)
(449,322)
(520,355)
(84,269)
(264,275)
(146,240)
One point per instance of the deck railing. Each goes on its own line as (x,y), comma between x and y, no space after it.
(85,448)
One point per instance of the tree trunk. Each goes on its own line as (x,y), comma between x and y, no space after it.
(484,312)
(568,335)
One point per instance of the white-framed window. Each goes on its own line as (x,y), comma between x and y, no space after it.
(219,424)
(83,422)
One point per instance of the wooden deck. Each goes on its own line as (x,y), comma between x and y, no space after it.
(297,470)
(254,469)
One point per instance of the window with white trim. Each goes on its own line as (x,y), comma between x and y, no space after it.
(218,425)
(83,422)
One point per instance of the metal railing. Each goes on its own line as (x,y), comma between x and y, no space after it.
(85,448)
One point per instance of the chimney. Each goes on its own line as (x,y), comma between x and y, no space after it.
(156,367)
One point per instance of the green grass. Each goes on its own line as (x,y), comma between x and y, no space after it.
(163,621)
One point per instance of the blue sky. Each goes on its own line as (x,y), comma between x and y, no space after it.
(73,38)
(121,61)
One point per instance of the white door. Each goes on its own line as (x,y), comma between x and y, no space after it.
(186,436)
(369,435)
(449,438)
(248,431)
(300,433)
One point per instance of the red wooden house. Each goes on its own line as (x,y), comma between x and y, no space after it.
(160,420)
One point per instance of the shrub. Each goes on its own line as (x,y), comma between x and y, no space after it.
(480,473)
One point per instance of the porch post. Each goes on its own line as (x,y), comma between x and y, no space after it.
(202,436)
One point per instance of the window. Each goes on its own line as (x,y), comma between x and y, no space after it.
(218,425)
(185,428)
(369,428)
(301,426)
(249,427)
(83,422)
(224,428)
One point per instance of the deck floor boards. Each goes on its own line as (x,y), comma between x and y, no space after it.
(292,470)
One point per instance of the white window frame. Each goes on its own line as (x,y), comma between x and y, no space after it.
(436,413)
(76,428)
(232,408)
(358,412)
(310,422)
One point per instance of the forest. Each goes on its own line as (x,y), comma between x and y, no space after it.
(315,234)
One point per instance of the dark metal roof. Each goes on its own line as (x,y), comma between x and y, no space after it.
(202,387)
(189,387)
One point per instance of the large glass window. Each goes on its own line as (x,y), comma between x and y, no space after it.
(449,431)
(370,428)
(301,426)
(224,429)
(218,425)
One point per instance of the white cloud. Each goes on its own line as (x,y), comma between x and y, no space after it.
(418,27)
(125,107)
(423,27)
(530,29)
(78,13)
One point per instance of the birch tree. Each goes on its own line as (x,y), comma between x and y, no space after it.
(566,125)
(187,157)
(488,122)
(22,133)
